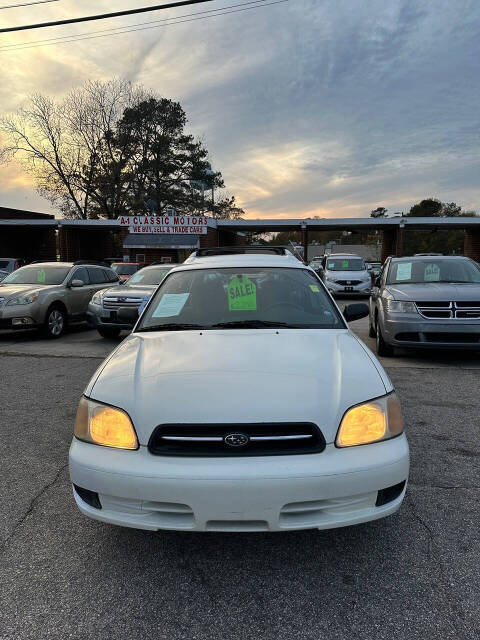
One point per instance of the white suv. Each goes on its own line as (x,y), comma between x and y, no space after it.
(203,420)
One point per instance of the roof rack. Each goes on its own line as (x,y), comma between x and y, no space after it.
(223,251)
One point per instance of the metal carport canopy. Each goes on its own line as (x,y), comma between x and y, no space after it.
(347,224)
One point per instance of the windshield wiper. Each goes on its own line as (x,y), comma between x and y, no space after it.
(172,326)
(252,324)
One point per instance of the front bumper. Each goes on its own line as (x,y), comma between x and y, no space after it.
(335,488)
(21,317)
(97,318)
(362,289)
(411,330)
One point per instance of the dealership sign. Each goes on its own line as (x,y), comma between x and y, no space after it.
(165,224)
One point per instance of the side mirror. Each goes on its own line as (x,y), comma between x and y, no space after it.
(127,315)
(377,282)
(76,283)
(356,311)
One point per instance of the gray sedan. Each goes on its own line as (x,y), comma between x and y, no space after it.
(429,302)
(134,294)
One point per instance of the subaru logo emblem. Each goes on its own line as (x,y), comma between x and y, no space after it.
(236,439)
(121,299)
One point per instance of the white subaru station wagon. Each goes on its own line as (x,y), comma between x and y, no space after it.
(241,401)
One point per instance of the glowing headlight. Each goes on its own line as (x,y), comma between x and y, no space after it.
(396,306)
(102,424)
(23,299)
(371,421)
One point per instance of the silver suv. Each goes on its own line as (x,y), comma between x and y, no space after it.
(47,295)
(346,273)
(426,301)
(134,294)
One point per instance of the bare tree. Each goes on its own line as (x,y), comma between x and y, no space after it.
(66,145)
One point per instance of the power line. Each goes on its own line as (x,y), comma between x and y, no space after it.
(258,4)
(27,4)
(102,16)
(122,29)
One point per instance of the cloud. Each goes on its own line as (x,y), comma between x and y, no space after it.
(308,108)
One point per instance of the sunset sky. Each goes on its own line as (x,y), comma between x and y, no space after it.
(327,108)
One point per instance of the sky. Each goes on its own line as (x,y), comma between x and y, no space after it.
(308,107)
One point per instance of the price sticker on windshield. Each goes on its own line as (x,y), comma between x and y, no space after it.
(41,276)
(242,294)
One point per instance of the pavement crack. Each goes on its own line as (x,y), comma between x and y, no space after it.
(460,630)
(31,505)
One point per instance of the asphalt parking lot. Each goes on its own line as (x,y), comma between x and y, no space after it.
(413,575)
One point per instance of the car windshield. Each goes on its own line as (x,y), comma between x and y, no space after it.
(125,269)
(433,270)
(149,276)
(345,264)
(38,274)
(240,297)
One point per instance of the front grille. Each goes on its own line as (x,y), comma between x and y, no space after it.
(117,302)
(347,283)
(252,439)
(441,310)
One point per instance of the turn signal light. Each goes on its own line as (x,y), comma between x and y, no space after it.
(372,421)
(105,425)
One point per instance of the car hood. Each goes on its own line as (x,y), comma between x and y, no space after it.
(239,376)
(347,275)
(131,292)
(435,291)
(8,290)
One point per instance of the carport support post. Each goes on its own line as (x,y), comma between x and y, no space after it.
(305,242)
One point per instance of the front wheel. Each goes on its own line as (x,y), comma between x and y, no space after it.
(55,322)
(383,349)
(109,333)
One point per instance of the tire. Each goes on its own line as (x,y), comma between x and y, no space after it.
(55,322)
(109,333)
(371,330)
(383,349)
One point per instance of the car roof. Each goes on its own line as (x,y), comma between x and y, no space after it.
(344,255)
(51,263)
(241,260)
(165,265)
(417,258)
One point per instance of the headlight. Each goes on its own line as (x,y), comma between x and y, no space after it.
(97,298)
(102,424)
(371,421)
(22,299)
(395,306)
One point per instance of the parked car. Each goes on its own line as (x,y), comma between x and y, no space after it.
(10,264)
(135,293)
(374,268)
(426,301)
(47,295)
(346,274)
(198,420)
(125,270)
(316,265)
